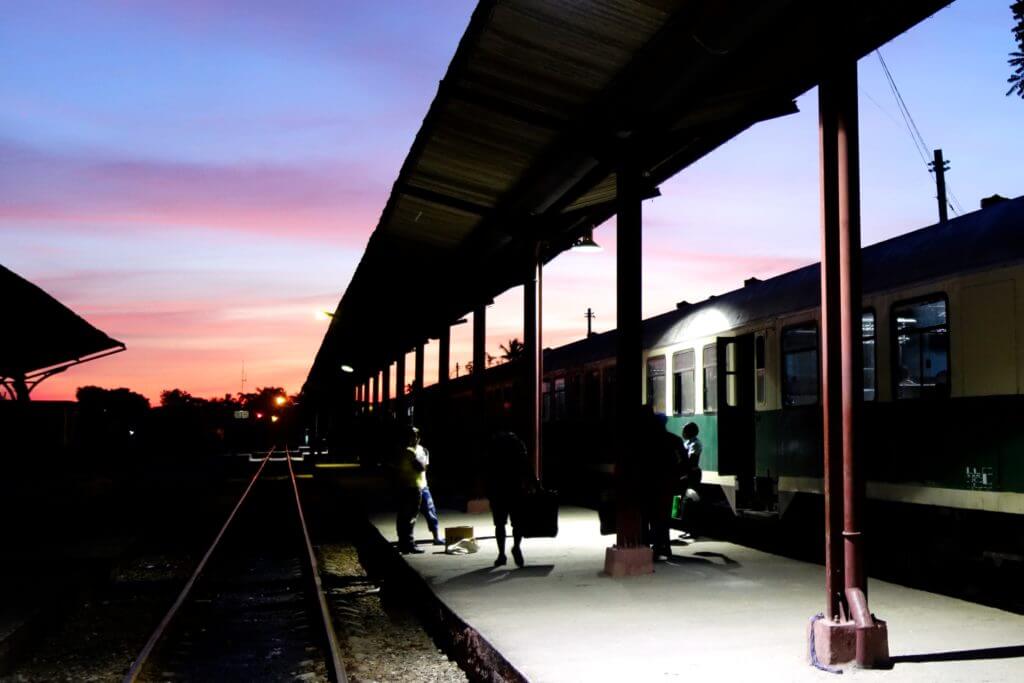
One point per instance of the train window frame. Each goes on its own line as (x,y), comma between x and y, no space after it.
(709,350)
(545,401)
(870,310)
(558,402)
(894,351)
(783,354)
(760,368)
(678,370)
(656,402)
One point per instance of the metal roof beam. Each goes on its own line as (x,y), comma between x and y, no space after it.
(504,107)
(445,200)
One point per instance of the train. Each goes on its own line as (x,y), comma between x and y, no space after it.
(943,387)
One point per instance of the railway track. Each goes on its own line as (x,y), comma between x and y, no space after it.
(254,608)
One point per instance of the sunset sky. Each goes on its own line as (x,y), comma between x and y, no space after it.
(197,179)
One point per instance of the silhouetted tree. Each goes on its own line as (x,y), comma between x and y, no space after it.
(110,420)
(513,351)
(1016,79)
(177,398)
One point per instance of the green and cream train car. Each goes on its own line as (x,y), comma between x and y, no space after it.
(942,337)
(943,345)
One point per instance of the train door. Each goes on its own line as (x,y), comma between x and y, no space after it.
(736,413)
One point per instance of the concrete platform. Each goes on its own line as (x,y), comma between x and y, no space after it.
(717,611)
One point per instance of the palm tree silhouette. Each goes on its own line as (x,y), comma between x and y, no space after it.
(514,350)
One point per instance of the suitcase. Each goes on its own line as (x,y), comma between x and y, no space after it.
(538,515)
(606,516)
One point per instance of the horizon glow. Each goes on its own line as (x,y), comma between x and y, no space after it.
(197,179)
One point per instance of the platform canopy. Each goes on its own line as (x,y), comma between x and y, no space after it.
(541,102)
(42,336)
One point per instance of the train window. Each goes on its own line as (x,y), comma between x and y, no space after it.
(545,403)
(867,335)
(682,382)
(608,395)
(759,369)
(560,398)
(592,395)
(573,396)
(656,383)
(800,365)
(921,348)
(710,365)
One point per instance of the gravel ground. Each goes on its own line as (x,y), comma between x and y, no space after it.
(99,636)
(378,643)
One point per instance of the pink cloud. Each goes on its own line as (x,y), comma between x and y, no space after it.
(320,200)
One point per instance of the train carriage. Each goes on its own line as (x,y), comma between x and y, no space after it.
(943,348)
(942,341)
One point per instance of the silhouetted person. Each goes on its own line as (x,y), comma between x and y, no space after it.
(509,476)
(660,454)
(413,494)
(691,474)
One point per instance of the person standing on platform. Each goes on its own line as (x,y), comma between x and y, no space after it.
(691,475)
(662,452)
(509,477)
(414,494)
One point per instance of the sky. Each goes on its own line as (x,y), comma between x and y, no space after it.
(198,179)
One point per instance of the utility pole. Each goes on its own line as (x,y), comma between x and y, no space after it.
(939,166)
(589,315)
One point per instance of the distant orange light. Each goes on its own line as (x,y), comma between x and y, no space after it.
(273,418)
(259,416)
(280,400)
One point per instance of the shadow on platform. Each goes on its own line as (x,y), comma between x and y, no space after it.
(491,575)
(1008,652)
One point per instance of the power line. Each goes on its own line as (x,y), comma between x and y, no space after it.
(915,133)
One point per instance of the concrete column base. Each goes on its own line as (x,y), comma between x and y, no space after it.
(476,506)
(836,643)
(628,561)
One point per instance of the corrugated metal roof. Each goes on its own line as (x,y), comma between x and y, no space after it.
(520,143)
(41,332)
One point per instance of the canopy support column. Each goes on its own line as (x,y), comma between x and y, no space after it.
(417,378)
(629,556)
(533,366)
(400,413)
(386,391)
(850,632)
(444,355)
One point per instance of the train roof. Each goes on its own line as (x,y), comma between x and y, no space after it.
(986,238)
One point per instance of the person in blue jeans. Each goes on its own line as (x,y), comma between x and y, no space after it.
(414,494)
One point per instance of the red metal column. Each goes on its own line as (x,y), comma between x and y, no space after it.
(850,305)
(374,392)
(831,350)
(400,413)
(444,356)
(418,375)
(532,370)
(479,342)
(629,556)
(842,372)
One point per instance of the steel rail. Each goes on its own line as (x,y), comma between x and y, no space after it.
(140,661)
(335,668)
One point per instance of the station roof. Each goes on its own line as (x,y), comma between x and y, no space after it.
(40,333)
(521,142)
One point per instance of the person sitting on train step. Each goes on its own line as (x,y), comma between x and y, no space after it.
(509,476)
(413,494)
(691,473)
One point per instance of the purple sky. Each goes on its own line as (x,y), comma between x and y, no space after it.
(198,178)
